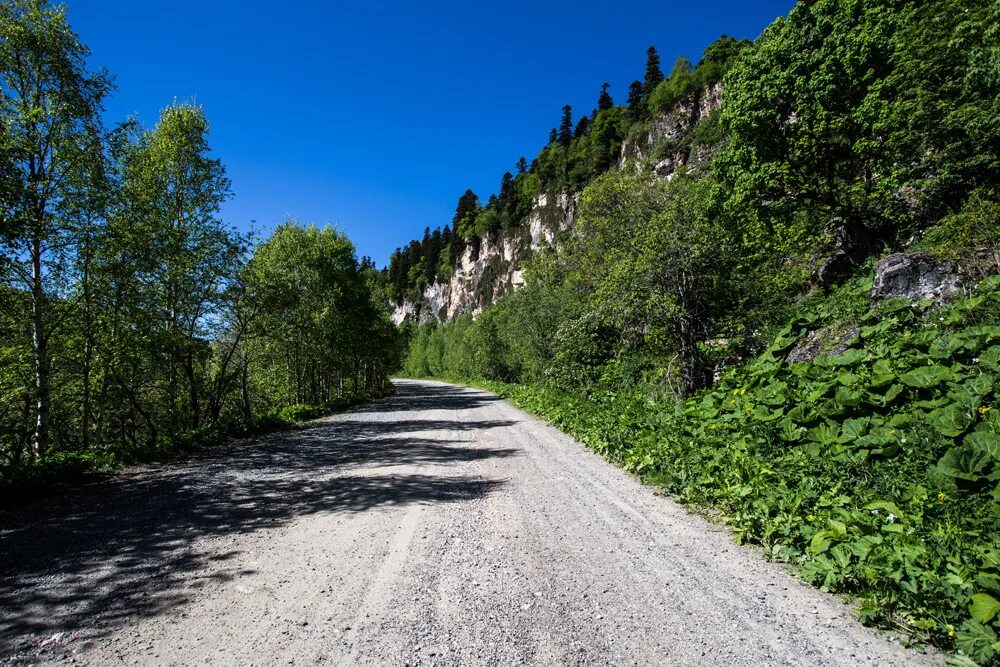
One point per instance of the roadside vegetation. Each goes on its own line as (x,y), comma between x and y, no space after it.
(133,320)
(659,332)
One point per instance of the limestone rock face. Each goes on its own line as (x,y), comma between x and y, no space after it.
(915,276)
(494,267)
(669,129)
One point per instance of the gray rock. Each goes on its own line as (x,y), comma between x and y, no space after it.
(915,276)
(824,341)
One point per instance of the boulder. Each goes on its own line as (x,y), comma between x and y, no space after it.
(824,341)
(915,276)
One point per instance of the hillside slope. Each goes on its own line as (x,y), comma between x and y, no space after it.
(799,334)
(463,268)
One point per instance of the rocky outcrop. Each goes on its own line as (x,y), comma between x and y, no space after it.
(914,276)
(493,267)
(665,140)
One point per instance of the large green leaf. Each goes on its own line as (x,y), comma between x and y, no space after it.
(891,394)
(848,397)
(986,332)
(991,357)
(985,442)
(945,347)
(885,506)
(977,640)
(824,434)
(984,607)
(951,420)
(852,429)
(965,462)
(851,357)
(927,376)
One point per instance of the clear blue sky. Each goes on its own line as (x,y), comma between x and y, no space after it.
(376,116)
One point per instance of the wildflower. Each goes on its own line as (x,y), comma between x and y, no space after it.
(941,496)
(975,360)
(951,632)
(892,432)
(983,409)
(891,518)
(874,511)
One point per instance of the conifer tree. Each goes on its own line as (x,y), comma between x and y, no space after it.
(522,165)
(635,98)
(604,101)
(566,126)
(467,203)
(654,75)
(505,185)
(582,127)
(433,256)
(553,136)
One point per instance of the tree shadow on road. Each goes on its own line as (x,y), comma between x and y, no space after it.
(415,395)
(126,547)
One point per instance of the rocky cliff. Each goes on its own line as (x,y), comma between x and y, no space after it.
(492,265)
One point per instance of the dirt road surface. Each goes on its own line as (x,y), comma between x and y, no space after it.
(440,526)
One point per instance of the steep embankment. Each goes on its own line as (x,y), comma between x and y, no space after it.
(492,265)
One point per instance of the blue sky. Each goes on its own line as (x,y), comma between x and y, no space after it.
(376,116)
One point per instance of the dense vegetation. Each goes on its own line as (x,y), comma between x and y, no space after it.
(132,320)
(847,130)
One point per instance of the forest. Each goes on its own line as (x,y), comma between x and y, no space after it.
(660,331)
(133,320)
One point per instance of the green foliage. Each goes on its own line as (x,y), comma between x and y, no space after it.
(718,57)
(970,237)
(133,322)
(317,328)
(877,471)
(858,118)
(846,129)
(681,84)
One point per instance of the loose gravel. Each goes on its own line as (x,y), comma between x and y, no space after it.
(441,526)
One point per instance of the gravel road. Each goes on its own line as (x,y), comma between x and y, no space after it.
(439,526)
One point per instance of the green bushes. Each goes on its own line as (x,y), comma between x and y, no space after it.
(970,237)
(680,85)
(876,470)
